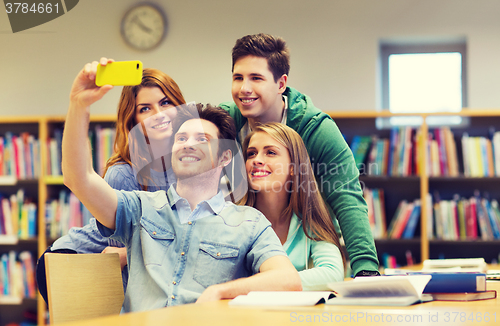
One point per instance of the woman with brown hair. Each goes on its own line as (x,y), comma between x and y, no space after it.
(282,186)
(141,159)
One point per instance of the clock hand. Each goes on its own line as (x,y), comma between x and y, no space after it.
(141,25)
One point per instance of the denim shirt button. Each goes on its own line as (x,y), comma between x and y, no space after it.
(218,254)
(182,253)
(190,222)
(154,232)
(174,282)
(173,296)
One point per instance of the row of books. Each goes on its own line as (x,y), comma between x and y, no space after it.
(17,275)
(19,156)
(389,261)
(457,219)
(63,213)
(399,155)
(481,155)
(442,158)
(101,140)
(18,216)
(405,220)
(391,157)
(466,218)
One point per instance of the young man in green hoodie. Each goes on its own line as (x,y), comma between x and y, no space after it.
(261,95)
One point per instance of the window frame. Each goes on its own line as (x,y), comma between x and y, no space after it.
(389,48)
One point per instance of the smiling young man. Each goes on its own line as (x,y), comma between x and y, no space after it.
(260,94)
(187,244)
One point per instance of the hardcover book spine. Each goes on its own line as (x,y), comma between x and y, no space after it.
(456,282)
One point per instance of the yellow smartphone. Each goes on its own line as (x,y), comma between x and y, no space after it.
(119,73)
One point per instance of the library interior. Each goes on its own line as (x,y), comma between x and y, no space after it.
(411,85)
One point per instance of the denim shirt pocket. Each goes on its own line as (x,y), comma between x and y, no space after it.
(216,263)
(155,241)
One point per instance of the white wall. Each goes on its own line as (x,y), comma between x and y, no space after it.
(334,48)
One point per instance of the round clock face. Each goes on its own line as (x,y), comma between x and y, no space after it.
(143,27)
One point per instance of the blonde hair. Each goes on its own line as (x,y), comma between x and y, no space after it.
(305,199)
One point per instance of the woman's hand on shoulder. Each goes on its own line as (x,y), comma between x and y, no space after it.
(84,91)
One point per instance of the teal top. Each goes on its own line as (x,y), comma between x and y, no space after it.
(318,262)
(335,171)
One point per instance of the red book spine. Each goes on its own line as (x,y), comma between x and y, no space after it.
(472,220)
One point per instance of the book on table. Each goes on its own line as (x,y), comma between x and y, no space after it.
(464,296)
(381,291)
(446,285)
(282,298)
(454,282)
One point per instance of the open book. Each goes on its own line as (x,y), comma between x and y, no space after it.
(381,291)
(281,298)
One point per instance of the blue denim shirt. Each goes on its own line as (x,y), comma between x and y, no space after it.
(87,239)
(175,254)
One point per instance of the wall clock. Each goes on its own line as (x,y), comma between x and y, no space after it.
(144,26)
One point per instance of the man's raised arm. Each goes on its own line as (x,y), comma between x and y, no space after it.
(79,175)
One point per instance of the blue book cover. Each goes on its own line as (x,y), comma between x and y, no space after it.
(454,282)
(411,225)
(359,147)
(482,219)
(32,220)
(9,167)
(392,148)
(380,156)
(5,272)
(492,217)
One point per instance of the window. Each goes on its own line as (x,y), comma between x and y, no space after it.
(424,78)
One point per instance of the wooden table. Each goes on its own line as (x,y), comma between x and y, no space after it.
(437,313)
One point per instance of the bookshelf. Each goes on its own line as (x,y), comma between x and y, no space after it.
(416,187)
(39,189)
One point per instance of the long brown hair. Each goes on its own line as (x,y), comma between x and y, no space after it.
(305,200)
(126,110)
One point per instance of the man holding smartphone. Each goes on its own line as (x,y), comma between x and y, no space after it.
(187,244)
(260,94)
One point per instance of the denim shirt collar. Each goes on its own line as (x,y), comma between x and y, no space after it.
(212,206)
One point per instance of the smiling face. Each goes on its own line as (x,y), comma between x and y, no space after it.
(255,92)
(267,163)
(156,112)
(195,148)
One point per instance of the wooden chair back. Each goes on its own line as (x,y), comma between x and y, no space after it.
(83,286)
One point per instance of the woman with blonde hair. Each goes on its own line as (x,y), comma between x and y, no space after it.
(143,133)
(282,186)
